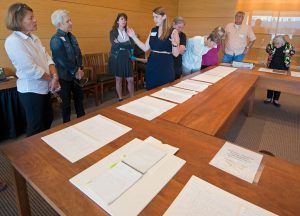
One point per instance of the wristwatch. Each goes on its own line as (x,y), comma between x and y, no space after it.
(174,45)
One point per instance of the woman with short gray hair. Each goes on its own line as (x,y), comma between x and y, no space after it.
(280,52)
(68,62)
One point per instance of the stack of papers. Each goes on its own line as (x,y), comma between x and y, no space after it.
(122,183)
(272,71)
(242,64)
(79,140)
(147,107)
(199,197)
(192,85)
(207,78)
(237,161)
(295,74)
(176,95)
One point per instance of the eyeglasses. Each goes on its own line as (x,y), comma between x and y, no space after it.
(21,6)
(58,98)
(82,82)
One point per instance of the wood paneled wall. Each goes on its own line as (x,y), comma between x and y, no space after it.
(92,20)
(203,16)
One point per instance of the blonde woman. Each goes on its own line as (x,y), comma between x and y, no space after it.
(164,44)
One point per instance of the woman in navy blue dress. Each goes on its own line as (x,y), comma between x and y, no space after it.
(164,43)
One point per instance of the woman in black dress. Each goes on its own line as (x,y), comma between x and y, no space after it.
(280,52)
(164,43)
(120,63)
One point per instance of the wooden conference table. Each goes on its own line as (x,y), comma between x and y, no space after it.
(278,189)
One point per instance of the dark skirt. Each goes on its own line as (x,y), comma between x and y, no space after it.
(159,70)
(120,65)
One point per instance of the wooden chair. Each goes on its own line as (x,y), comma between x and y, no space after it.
(91,86)
(98,61)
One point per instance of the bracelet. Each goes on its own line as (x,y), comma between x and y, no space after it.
(174,45)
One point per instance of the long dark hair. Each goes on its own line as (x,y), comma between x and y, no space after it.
(116,25)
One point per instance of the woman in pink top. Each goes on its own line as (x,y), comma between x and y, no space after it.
(211,57)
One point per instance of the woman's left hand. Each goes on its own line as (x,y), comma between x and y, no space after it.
(54,85)
(175,37)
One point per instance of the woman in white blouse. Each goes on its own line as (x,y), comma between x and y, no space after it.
(34,68)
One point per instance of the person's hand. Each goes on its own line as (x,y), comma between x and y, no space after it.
(116,41)
(79,74)
(246,50)
(144,60)
(131,32)
(54,85)
(175,37)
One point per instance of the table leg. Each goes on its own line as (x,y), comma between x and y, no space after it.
(251,103)
(21,194)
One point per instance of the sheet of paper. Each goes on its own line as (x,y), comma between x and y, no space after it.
(71,143)
(295,74)
(237,161)
(102,129)
(174,94)
(137,197)
(192,85)
(113,183)
(147,107)
(207,78)
(220,71)
(199,197)
(79,140)
(158,144)
(145,157)
(265,70)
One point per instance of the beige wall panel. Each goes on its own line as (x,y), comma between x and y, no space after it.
(203,26)
(145,6)
(247,5)
(92,20)
(206,8)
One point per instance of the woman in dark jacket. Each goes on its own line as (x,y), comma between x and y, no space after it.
(280,52)
(68,62)
(120,63)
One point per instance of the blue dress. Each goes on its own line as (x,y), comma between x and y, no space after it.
(160,69)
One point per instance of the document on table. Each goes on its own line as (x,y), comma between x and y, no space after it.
(220,71)
(131,195)
(147,107)
(111,184)
(173,94)
(199,197)
(145,157)
(237,161)
(295,74)
(81,139)
(207,78)
(265,70)
(192,85)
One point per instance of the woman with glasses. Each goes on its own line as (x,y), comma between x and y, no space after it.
(68,62)
(120,63)
(34,68)
(164,44)
(280,52)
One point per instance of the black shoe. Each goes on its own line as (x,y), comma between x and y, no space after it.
(120,99)
(268,101)
(277,104)
(3,186)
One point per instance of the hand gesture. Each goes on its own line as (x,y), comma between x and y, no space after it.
(175,37)
(131,32)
